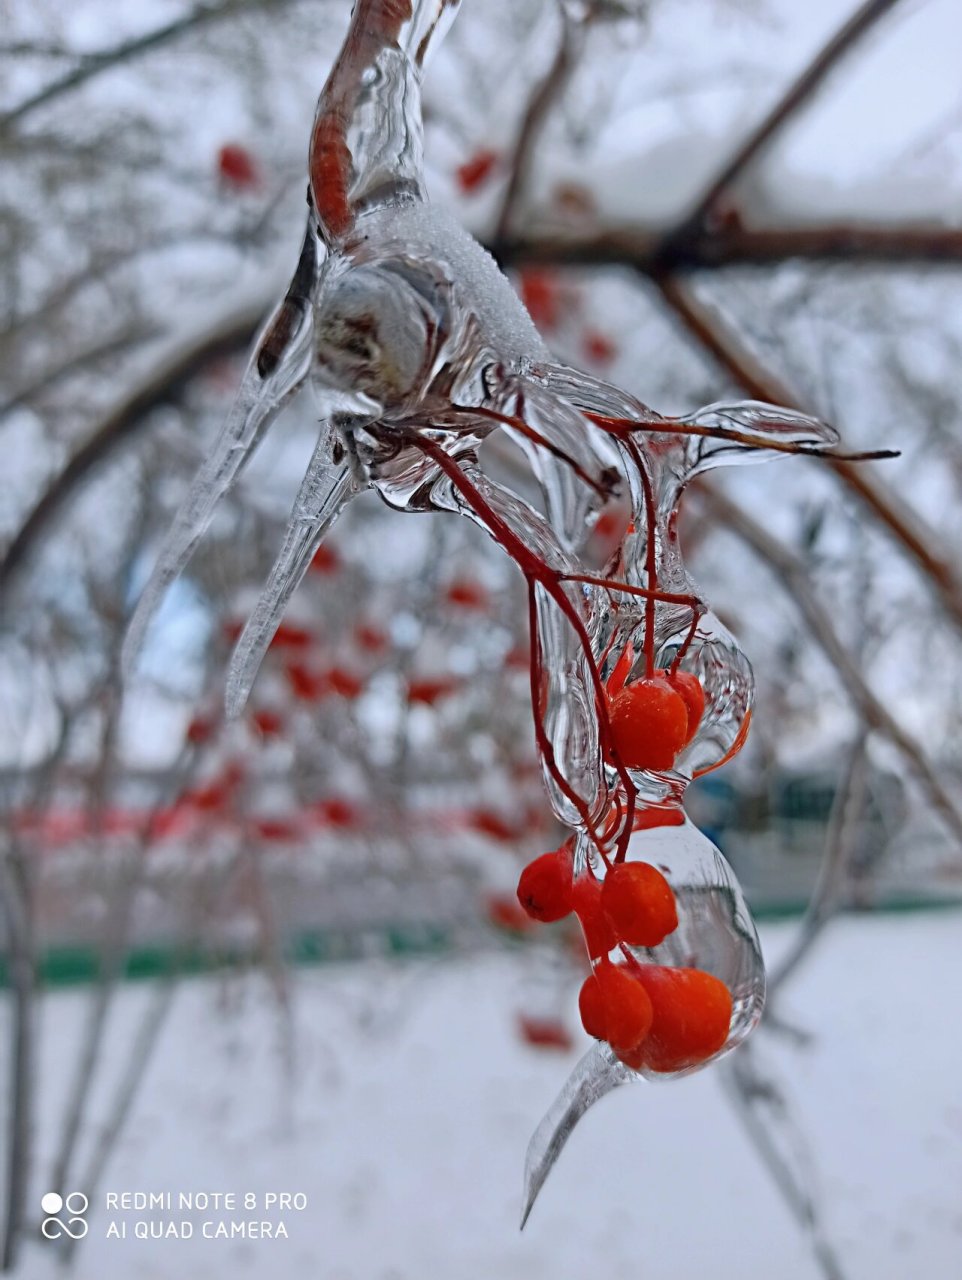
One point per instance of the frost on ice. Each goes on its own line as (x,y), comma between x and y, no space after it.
(417,350)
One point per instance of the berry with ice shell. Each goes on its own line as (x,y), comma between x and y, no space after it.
(639,903)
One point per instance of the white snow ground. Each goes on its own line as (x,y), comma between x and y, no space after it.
(411,1101)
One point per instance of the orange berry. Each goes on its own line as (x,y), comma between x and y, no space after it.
(689,689)
(649,721)
(544,889)
(595,925)
(638,901)
(692,1012)
(614,1006)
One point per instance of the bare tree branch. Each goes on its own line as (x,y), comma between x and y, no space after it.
(733,245)
(794,576)
(803,89)
(542,100)
(914,536)
(93,64)
(763,1110)
(165,384)
(839,842)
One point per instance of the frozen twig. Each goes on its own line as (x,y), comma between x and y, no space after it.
(794,576)
(763,1110)
(829,887)
(799,93)
(644,249)
(913,535)
(91,65)
(166,382)
(544,97)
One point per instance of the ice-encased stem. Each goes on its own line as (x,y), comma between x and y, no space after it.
(325,489)
(259,400)
(598,1072)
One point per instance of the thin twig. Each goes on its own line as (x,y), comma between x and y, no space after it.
(162,386)
(913,535)
(843,828)
(794,576)
(93,64)
(542,100)
(801,91)
(764,1113)
(728,245)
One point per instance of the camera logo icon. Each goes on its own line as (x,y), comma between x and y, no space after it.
(64,1215)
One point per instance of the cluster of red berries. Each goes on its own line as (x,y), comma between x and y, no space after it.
(654,1016)
(653,719)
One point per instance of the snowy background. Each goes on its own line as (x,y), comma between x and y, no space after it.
(399,1100)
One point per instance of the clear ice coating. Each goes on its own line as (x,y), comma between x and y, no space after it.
(418,350)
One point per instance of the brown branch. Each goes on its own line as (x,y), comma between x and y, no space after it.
(913,535)
(794,576)
(540,104)
(800,92)
(649,251)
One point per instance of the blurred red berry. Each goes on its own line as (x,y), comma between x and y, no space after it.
(236,166)
(476,171)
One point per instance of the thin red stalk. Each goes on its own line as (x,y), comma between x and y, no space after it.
(625,427)
(686,643)
(545,746)
(535,569)
(537,438)
(646,593)
(651,570)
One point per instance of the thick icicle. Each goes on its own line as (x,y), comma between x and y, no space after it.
(598,1072)
(325,489)
(265,389)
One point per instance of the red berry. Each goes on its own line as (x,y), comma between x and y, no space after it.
(275,829)
(504,912)
(236,165)
(326,559)
(544,889)
(268,722)
(691,1015)
(199,731)
(344,683)
(428,691)
(598,348)
(336,812)
(652,816)
(649,721)
(540,295)
(371,639)
(544,1033)
(638,901)
(689,689)
(614,1006)
(474,172)
(469,595)
(288,636)
(595,925)
(305,684)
